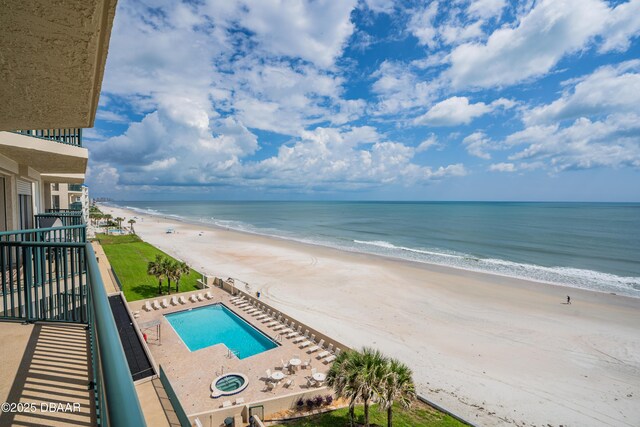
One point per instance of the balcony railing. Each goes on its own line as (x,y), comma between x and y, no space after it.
(75,187)
(70,136)
(52,275)
(57,219)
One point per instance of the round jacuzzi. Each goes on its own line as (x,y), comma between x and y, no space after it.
(228,384)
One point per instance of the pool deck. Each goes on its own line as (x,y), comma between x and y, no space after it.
(191,373)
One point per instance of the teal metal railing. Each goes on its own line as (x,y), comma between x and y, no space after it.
(75,187)
(52,275)
(118,403)
(75,206)
(69,136)
(65,218)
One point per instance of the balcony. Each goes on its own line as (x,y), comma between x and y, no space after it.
(50,276)
(70,136)
(75,187)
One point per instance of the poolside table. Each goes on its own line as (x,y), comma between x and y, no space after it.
(277,376)
(319,377)
(295,363)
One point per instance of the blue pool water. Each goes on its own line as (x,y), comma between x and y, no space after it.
(216,324)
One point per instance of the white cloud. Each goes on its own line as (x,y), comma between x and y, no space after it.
(610,89)
(612,142)
(477,145)
(486,9)
(502,167)
(312,30)
(623,24)
(552,29)
(399,89)
(455,34)
(421,24)
(431,141)
(380,6)
(457,110)
(111,116)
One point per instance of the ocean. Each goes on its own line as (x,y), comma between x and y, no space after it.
(592,246)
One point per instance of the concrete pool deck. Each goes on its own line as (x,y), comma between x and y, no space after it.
(191,373)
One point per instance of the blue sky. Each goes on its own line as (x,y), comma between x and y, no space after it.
(370,99)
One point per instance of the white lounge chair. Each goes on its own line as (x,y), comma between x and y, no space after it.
(286,331)
(155,305)
(316,347)
(280,326)
(272,323)
(236,299)
(165,304)
(330,359)
(226,404)
(193,298)
(299,339)
(182,300)
(267,319)
(174,301)
(262,316)
(208,295)
(147,306)
(325,353)
(253,310)
(305,344)
(293,334)
(240,401)
(200,297)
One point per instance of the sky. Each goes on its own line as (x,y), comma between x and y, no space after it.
(370,100)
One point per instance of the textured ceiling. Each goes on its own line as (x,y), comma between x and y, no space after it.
(52,58)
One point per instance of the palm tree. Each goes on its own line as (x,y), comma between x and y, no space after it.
(396,386)
(131,222)
(342,379)
(156,268)
(181,268)
(369,366)
(169,268)
(119,221)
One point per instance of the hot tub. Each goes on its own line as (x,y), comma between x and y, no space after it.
(228,384)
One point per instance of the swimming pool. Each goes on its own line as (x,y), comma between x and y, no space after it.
(215,324)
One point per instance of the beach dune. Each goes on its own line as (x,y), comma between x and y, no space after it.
(496,350)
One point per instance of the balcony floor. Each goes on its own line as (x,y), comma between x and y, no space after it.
(45,364)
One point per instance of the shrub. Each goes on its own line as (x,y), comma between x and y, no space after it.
(300,403)
(328,399)
(318,400)
(310,403)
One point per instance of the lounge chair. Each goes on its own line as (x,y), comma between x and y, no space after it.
(286,331)
(316,347)
(258,313)
(330,359)
(226,404)
(305,344)
(293,334)
(200,297)
(208,295)
(155,305)
(262,316)
(174,301)
(165,304)
(234,299)
(147,306)
(280,326)
(253,310)
(193,298)
(272,323)
(267,319)
(325,353)
(181,300)
(240,401)
(299,339)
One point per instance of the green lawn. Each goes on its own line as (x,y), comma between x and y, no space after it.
(129,257)
(419,415)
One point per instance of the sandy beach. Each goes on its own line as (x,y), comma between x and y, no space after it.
(496,350)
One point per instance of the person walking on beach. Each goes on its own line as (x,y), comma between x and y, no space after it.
(568,299)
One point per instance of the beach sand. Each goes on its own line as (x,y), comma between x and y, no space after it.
(493,349)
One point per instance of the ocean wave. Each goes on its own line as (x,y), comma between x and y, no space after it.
(568,276)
